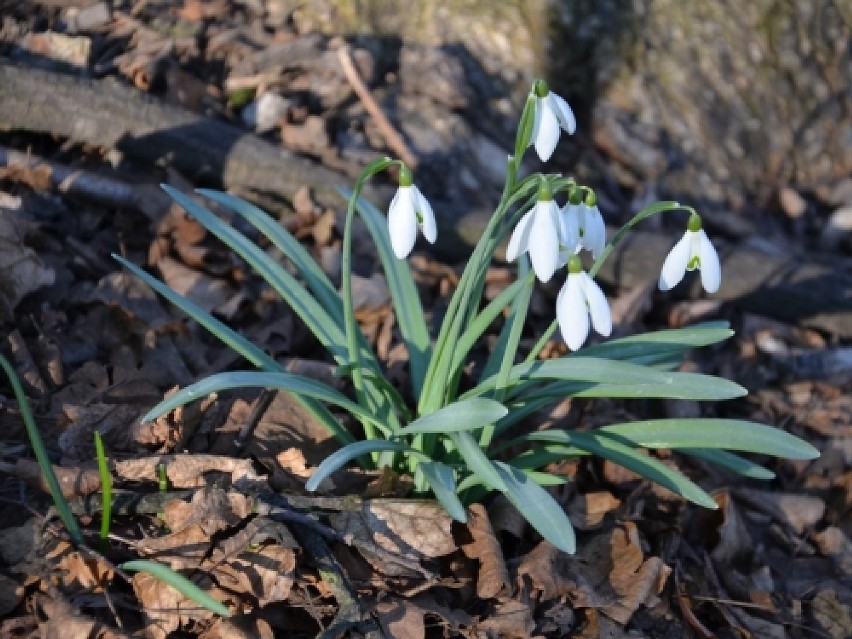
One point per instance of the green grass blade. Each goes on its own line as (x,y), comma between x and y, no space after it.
(442,481)
(538,507)
(340,458)
(106,487)
(41,455)
(224,333)
(467,414)
(406,300)
(315,278)
(295,384)
(735,463)
(727,434)
(180,583)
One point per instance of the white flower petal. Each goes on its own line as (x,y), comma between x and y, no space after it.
(598,306)
(595,231)
(520,240)
(563,113)
(569,227)
(428,226)
(544,240)
(402,222)
(711,269)
(571,312)
(675,265)
(546,133)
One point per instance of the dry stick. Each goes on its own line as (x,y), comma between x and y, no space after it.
(391,135)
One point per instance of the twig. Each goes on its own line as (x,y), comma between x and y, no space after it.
(391,135)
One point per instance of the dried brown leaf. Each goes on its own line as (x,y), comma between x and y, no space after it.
(164,609)
(401,620)
(21,270)
(493,577)
(186,471)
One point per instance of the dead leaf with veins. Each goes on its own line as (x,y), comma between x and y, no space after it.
(493,577)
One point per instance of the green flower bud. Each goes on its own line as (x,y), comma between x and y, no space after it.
(405,177)
(540,88)
(694,223)
(544,192)
(575,196)
(575,264)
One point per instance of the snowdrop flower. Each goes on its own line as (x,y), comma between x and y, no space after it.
(579,299)
(408,210)
(538,234)
(551,114)
(569,229)
(693,251)
(592,227)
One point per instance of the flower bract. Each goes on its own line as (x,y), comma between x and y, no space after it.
(580,299)
(408,210)
(693,251)
(552,113)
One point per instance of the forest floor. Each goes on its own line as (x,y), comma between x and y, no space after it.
(96,349)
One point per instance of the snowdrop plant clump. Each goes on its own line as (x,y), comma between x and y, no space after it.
(453,430)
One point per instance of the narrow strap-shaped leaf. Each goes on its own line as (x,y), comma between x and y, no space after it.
(442,481)
(735,463)
(538,507)
(590,372)
(544,455)
(340,458)
(42,458)
(296,384)
(702,432)
(406,300)
(641,348)
(467,414)
(326,330)
(610,447)
(224,333)
(238,343)
(483,320)
(179,583)
(315,277)
(476,461)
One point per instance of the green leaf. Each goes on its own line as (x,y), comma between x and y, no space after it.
(224,333)
(42,458)
(467,414)
(321,324)
(106,487)
(538,507)
(735,463)
(728,434)
(441,479)
(593,377)
(296,384)
(341,457)
(544,455)
(179,583)
(477,463)
(649,348)
(315,277)
(406,300)
(610,446)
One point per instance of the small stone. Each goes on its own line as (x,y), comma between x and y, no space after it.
(838,228)
(266,112)
(793,204)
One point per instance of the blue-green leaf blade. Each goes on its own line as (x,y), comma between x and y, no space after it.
(179,583)
(538,507)
(732,462)
(466,414)
(224,333)
(441,479)
(296,384)
(340,458)
(727,434)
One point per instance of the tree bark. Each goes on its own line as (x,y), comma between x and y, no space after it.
(109,114)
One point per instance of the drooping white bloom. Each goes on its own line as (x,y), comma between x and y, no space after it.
(592,229)
(693,251)
(538,234)
(408,210)
(580,299)
(551,113)
(569,231)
